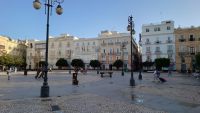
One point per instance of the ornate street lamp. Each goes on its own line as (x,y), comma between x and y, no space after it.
(132,31)
(49,4)
(123,47)
(140,61)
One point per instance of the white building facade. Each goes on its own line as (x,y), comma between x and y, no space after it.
(86,49)
(107,48)
(158,41)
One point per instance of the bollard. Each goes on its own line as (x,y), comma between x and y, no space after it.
(74,79)
(25,72)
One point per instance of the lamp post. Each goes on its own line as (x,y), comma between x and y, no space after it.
(140,60)
(48,4)
(132,31)
(123,47)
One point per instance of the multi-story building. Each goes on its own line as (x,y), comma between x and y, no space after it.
(12,47)
(187,46)
(106,48)
(59,47)
(15,48)
(86,49)
(158,41)
(113,46)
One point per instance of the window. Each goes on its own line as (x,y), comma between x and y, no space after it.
(117,50)
(147,30)
(88,43)
(77,44)
(147,41)
(110,50)
(60,44)
(157,29)
(104,51)
(59,53)
(148,58)
(170,56)
(68,44)
(148,49)
(52,45)
(93,43)
(192,50)
(181,39)
(191,38)
(169,40)
(157,49)
(182,48)
(169,47)
(31,45)
(168,28)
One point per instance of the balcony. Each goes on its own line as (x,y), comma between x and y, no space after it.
(148,52)
(110,43)
(191,39)
(157,52)
(103,44)
(125,53)
(192,53)
(117,43)
(169,41)
(157,42)
(147,43)
(182,40)
(182,53)
(111,53)
(169,51)
(103,54)
(118,53)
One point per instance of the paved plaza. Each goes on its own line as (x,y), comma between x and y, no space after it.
(21,94)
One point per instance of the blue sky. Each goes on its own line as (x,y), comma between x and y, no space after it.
(87,18)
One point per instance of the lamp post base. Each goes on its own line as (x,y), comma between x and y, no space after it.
(122,73)
(140,76)
(132,82)
(44,91)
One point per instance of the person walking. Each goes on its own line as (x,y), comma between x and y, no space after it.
(8,73)
(38,72)
(156,75)
(42,72)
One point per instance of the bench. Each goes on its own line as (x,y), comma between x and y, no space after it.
(106,72)
(84,71)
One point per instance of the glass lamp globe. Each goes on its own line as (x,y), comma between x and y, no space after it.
(37,4)
(59,10)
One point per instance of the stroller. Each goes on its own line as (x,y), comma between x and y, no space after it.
(162,79)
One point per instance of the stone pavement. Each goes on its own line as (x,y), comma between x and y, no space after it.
(180,94)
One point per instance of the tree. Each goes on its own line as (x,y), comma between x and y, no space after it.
(77,64)
(162,62)
(147,64)
(118,64)
(197,61)
(62,63)
(9,60)
(95,63)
